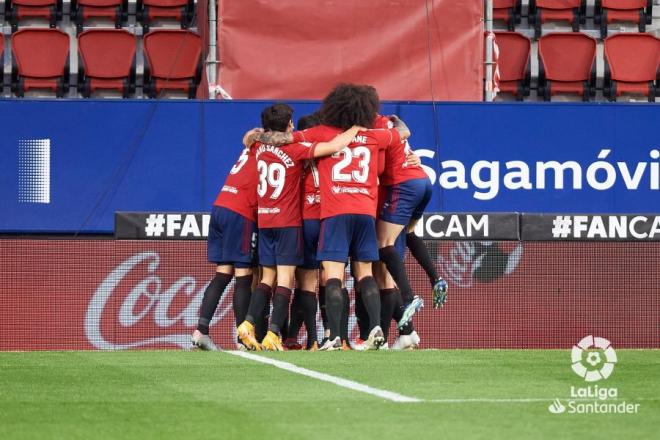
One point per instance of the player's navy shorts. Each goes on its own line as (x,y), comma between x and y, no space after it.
(347,235)
(232,239)
(311,229)
(406,201)
(280,246)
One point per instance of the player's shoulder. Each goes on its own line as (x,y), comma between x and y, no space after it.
(381,134)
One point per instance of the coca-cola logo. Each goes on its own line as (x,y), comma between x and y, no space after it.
(133,308)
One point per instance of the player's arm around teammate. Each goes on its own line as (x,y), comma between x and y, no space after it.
(280,222)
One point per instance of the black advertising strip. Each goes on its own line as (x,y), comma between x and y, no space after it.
(469,226)
(590,227)
(161,225)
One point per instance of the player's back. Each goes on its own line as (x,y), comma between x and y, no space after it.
(348,178)
(239,192)
(395,168)
(279,171)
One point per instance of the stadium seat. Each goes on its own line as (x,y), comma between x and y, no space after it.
(635,11)
(567,65)
(514,63)
(182,11)
(632,64)
(108,61)
(571,11)
(114,10)
(174,62)
(507,11)
(17,10)
(41,59)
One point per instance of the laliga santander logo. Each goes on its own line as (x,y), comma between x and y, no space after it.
(593,358)
(144,297)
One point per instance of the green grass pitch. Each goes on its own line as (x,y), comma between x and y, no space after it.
(198,395)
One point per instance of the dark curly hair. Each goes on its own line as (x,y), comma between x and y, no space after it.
(350,104)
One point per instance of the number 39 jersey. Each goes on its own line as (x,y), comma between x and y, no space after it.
(279,170)
(349,178)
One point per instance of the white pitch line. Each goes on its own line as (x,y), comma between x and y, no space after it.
(345,383)
(392,396)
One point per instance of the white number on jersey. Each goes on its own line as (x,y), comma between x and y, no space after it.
(359,176)
(240,162)
(272,175)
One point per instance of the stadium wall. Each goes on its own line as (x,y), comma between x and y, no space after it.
(65,294)
(71,173)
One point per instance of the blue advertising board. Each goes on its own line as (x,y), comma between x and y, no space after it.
(67,166)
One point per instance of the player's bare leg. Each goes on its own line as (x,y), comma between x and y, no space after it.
(258,300)
(421,254)
(200,337)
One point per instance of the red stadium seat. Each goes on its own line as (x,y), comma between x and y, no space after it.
(567,65)
(507,11)
(632,64)
(635,11)
(174,61)
(108,61)
(83,10)
(571,11)
(42,58)
(182,11)
(16,10)
(514,63)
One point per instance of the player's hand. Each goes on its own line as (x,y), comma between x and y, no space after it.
(413,160)
(395,120)
(249,137)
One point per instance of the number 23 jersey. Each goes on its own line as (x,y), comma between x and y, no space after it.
(279,170)
(349,178)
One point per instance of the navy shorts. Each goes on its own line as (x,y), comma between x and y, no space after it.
(347,235)
(232,239)
(311,229)
(406,201)
(280,246)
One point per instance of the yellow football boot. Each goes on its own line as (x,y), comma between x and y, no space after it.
(246,335)
(272,342)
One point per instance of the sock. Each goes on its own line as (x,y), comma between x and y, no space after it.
(371,299)
(421,254)
(211,299)
(324,316)
(398,314)
(387,305)
(259,298)
(296,316)
(361,315)
(261,326)
(397,269)
(280,309)
(308,306)
(343,331)
(333,306)
(241,300)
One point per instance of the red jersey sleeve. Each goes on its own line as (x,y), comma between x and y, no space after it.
(320,133)
(301,150)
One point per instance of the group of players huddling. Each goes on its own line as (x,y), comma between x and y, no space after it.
(345,186)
